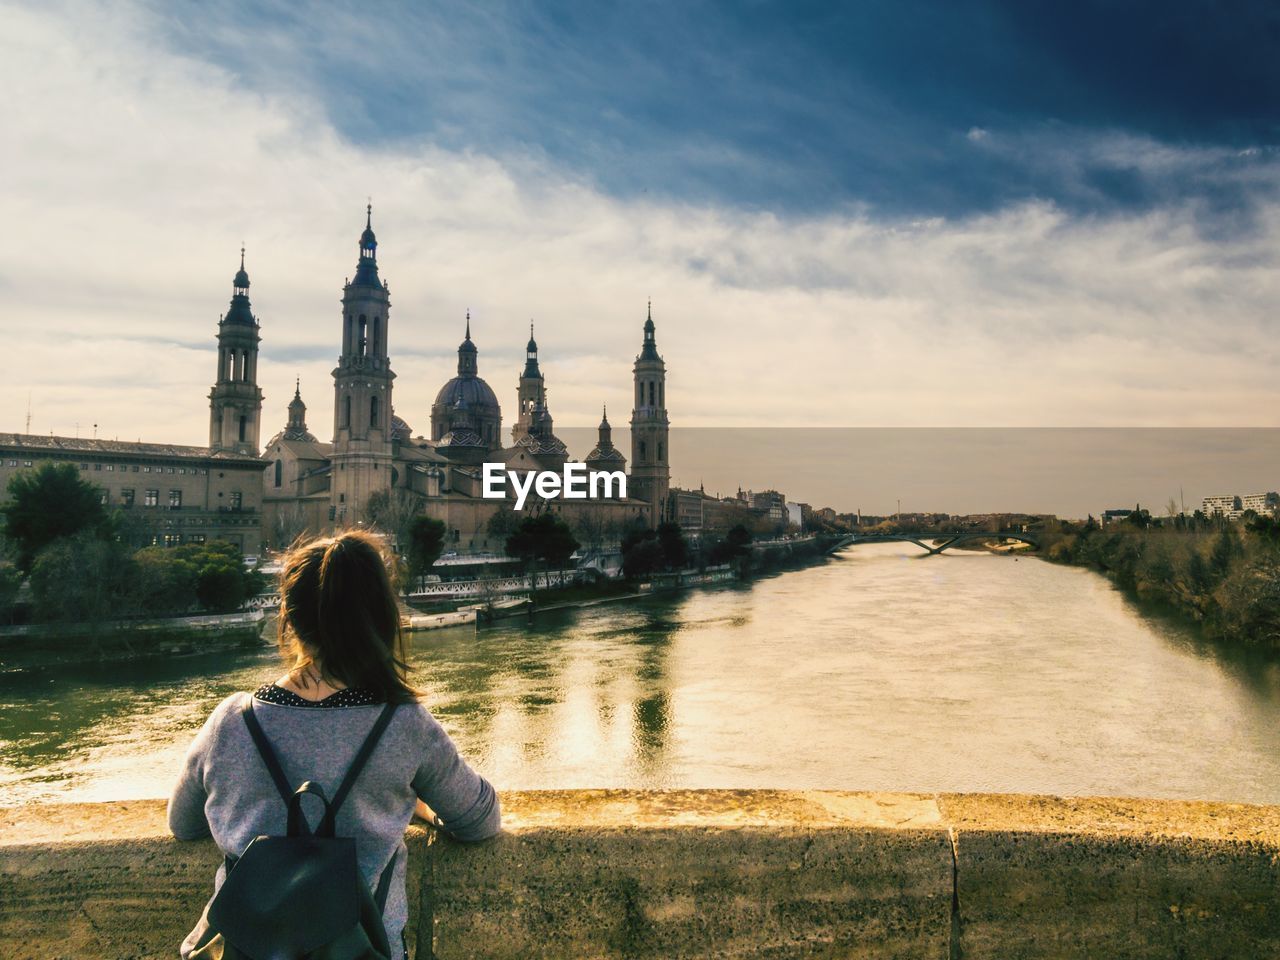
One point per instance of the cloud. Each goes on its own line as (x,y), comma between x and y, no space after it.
(141,168)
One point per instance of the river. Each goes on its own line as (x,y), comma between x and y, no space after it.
(876,670)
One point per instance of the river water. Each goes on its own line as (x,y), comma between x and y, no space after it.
(877,670)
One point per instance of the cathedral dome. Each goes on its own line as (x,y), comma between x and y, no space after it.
(466,404)
(400,430)
(471,391)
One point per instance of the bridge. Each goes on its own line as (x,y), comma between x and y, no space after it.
(933,543)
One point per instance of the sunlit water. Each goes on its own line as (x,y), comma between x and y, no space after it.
(877,670)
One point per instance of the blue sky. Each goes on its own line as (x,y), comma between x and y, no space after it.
(910,108)
(876,214)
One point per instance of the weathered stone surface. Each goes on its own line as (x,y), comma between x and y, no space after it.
(744,874)
(1050,877)
(105,880)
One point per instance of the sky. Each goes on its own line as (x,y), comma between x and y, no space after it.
(882,214)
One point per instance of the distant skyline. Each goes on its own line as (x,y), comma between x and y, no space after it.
(891,214)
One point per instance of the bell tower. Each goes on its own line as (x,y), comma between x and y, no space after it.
(531,391)
(650,466)
(361,458)
(235,402)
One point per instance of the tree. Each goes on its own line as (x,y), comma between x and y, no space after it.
(1225,549)
(642,558)
(426,543)
(675,551)
(49,504)
(220,586)
(82,578)
(502,524)
(166,581)
(288,524)
(393,512)
(544,539)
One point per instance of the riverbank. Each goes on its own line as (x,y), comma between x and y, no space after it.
(1222,578)
(692,873)
(37,646)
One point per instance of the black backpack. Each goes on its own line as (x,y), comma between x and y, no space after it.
(300,896)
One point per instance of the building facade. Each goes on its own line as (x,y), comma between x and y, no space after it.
(168,494)
(375,457)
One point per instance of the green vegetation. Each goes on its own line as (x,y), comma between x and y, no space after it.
(83,578)
(1224,576)
(81,566)
(425,542)
(544,538)
(48,504)
(645,551)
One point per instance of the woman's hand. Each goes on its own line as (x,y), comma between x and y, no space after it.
(422,812)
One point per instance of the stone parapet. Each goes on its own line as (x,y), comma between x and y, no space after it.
(717,873)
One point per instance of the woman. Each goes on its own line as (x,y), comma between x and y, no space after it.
(340,626)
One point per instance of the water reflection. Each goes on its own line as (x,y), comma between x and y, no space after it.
(872,671)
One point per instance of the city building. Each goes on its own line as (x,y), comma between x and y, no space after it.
(312,485)
(168,494)
(1234,506)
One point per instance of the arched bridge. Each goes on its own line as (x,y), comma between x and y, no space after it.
(933,543)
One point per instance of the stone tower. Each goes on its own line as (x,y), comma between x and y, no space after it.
(235,402)
(532,390)
(361,458)
(650,466)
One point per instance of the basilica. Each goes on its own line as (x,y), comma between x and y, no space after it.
(315,485)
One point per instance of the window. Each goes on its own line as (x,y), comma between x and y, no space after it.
(659,449)
(172,539)
(279,472)
(104,498)
(195,538)
(243,423)
(172,470)
(235,499)
(651,401)
(642,450)
(182,471)
(26,463)
(83,466)
(111,466)
(146,469)
(373,412)
(175,499)
(346,411)
(151,498)
(14,463)
(126,497)
(96,466)
(135,468)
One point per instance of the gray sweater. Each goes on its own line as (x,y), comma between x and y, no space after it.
(225,791)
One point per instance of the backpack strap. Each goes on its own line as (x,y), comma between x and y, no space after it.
(268,755)
(353,772)
(384,882)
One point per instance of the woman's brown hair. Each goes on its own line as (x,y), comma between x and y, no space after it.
(338,613)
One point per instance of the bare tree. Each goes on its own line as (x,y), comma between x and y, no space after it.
(289,524)
(393,512)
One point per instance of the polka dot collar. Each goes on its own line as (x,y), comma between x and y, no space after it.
(349,697)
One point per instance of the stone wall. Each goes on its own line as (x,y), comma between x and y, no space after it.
(743,874)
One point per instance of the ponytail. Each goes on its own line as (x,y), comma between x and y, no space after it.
(338,612)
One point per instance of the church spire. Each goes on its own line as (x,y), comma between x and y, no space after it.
(367,268)
(240,311)
(531,371)
(467,366)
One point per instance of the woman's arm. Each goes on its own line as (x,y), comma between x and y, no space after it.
(186,804)
(465,805)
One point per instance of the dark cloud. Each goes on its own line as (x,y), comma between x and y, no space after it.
(791,106)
